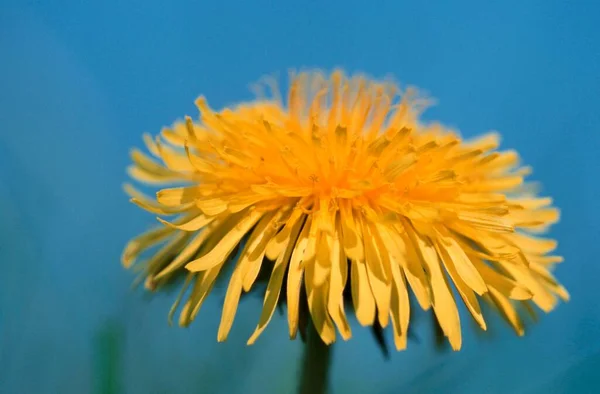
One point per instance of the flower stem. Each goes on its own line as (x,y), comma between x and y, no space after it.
(315,366)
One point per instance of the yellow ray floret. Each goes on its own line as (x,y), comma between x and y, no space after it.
(342,187)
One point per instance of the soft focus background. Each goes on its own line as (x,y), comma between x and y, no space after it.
(80,82)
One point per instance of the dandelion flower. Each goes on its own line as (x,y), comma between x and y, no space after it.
(342,187)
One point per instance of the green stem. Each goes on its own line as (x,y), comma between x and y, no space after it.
(314,374)
(107,360)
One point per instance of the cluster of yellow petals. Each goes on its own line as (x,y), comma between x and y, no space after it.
(343,186)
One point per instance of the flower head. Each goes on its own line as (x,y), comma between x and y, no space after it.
(342,187)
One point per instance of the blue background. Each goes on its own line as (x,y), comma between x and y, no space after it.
(80,82)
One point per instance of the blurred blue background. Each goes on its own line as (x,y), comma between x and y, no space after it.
(80,82)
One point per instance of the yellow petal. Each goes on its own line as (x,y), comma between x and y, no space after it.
(158,209)
(485,142)
(138,195)
(533,245)
(150,144)
(317,305)
(351,237)
(185,255)
(541,296)
(399,306)
(226,245)
(148,165)
(202,288)
(195,223)
(499,162)
(507,311)
(150,205)
(479,221)
(185,316)
(161,258)
(174,160)
(242,201)
(143,242)
(186,285)
(204,283)
(531,203)
(172,137)
(294,281)
(193,132)
(505,286)
(144,176)
(322,260)
(464,289)
(253,257)
(232,299)
(337,283)
(546,260)
(362,297)
(278,243)
(492,199)
(455,256)
(491,243)
(212,206)
(410,262)
(275,282)
(504,184)
(285,191)
(395,143)
(177,196)
(444,304)
(535,218)
(377,266)
(399,166)
(310,251)
(199,164)
(549,281)
(325,218)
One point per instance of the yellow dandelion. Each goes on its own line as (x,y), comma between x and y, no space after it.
(343,187)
